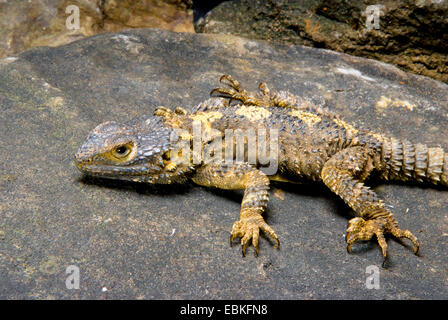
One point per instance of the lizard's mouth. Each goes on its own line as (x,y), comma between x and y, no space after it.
(137,173)
(119,172)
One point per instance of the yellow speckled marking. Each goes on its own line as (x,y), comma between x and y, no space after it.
(309,118)
(206,118)
(377,136)
(253,113)
(349,128)
(184,135)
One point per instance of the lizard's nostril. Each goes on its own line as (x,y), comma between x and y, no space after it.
(81,158)
(78,157)
(78,164)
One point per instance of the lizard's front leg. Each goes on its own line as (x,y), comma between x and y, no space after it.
(344,174)
(255,184)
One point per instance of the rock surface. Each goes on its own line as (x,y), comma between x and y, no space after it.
(172,242)
(412,35)
(26,24)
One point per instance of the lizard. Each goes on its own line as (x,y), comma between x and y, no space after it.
(313,145)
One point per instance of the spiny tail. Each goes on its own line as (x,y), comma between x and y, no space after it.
(406,161)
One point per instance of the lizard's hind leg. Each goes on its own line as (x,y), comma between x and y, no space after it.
(265,97)
(235,92)
(344,174)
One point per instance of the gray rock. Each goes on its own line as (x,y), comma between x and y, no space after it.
(412,35)
(143,242)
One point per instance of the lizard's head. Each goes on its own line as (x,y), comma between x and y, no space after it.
(137,151)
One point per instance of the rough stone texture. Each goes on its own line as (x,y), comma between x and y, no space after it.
(25,24)
(412,34)
(158,242)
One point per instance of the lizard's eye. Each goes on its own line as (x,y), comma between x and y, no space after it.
(121,151)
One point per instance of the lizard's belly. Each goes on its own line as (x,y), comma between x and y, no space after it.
(280,178)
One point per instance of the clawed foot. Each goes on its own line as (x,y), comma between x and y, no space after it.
(249,228)
(235,92)
(360,229)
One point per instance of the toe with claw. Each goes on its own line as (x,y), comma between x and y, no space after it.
(360,229)
(235,92)
(249,229)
